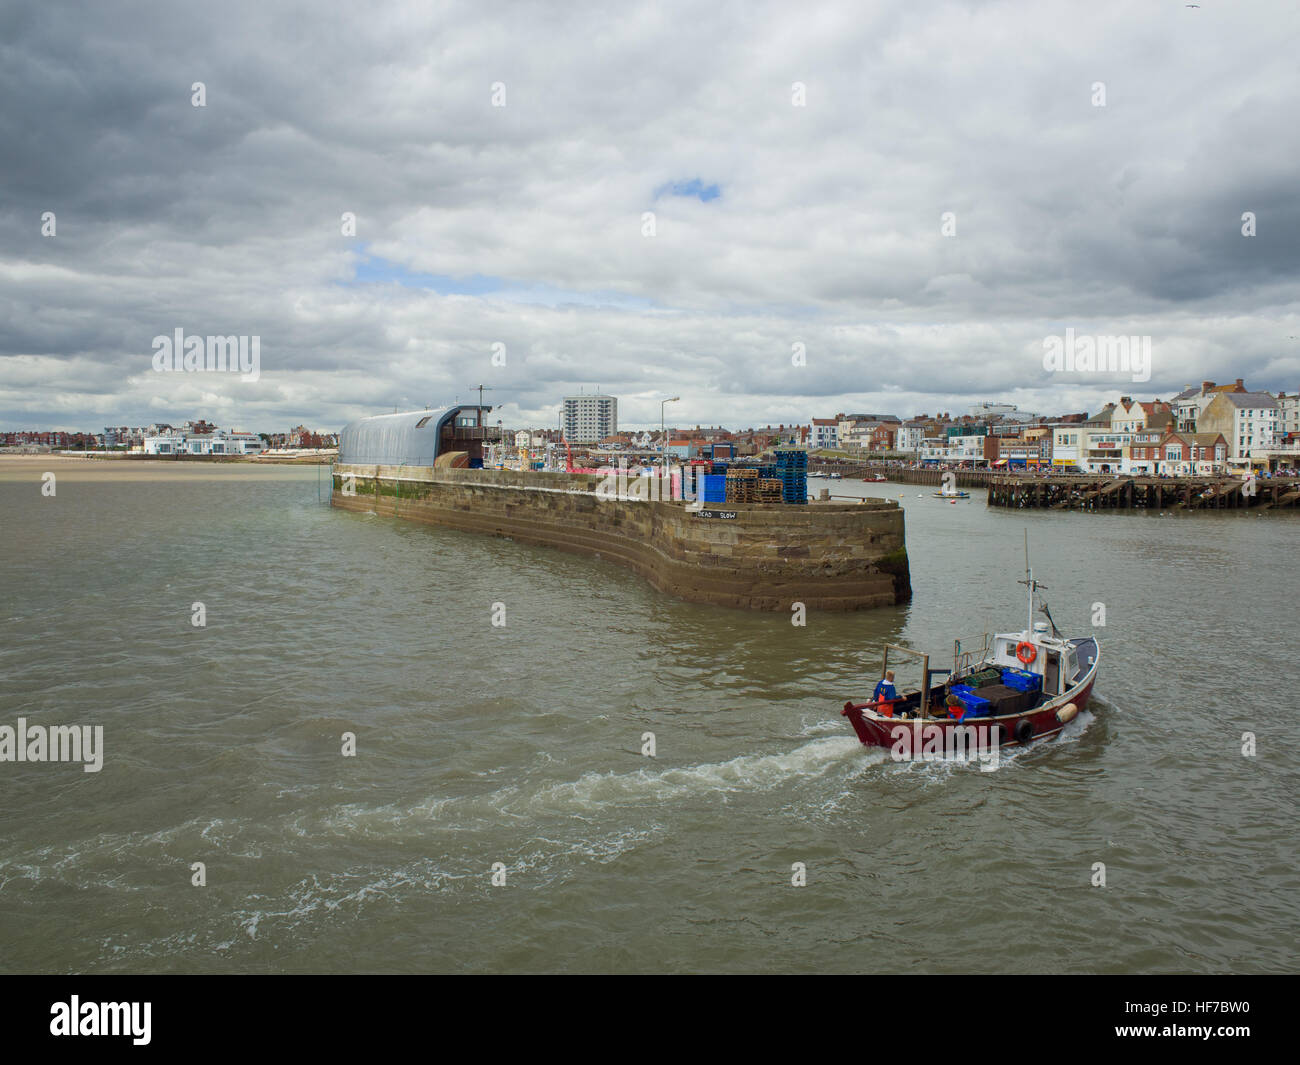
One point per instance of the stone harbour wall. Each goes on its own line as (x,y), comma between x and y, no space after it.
(828,556)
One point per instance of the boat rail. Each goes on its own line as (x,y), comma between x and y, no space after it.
(962,661)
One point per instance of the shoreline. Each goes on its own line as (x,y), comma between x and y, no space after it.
(122,456)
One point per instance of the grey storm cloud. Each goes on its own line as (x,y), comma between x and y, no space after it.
(523,224)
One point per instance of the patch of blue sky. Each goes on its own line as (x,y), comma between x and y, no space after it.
(695,187)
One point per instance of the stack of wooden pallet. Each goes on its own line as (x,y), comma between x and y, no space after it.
(771,490)
(742,486)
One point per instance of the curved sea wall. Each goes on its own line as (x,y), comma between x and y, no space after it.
(828,556)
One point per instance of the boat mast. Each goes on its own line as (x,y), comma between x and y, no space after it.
(1033,585)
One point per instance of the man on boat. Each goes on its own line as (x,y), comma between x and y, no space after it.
(885,693)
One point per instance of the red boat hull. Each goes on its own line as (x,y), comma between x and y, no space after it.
(877,731)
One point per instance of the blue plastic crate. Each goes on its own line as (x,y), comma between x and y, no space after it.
(1021,680)
(714,488)
(974,704)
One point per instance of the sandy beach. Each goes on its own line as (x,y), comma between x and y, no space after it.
(120,468)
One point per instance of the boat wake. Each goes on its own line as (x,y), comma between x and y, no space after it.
(751,772)
(545,833)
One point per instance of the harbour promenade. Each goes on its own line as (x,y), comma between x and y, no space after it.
(1088,491)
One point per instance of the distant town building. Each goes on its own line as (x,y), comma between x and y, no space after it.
(1177,454)
(1288,414)
(909,436)
(123,436)
(1067,445)
(1247,420)
(42,439)
(589,419)
(825,433)
(214,442)
(989,409)
(1128,416)
(1188,404)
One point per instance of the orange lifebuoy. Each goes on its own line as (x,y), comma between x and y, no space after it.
(1026,651)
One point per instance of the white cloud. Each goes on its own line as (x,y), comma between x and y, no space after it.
(225,219)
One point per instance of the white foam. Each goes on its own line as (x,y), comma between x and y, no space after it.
(749,772)
(1073,730)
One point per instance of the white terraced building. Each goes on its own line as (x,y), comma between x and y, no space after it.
(825,433)
(1288,413)
(220,442)
(909,436)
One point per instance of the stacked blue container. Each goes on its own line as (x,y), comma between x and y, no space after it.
(792,468)
(715,487)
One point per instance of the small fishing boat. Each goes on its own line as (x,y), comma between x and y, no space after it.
(1018,687)
(952,495)
(836,476)
(877,478)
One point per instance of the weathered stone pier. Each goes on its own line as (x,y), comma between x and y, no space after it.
(767,556)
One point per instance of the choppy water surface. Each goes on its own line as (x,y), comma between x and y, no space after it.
(521,745)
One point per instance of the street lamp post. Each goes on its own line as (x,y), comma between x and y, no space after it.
(663,432)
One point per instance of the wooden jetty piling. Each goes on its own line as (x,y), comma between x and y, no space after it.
(1111,492)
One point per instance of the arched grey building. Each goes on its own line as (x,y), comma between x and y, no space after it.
(415,438)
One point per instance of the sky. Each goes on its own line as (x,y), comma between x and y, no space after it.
(775,211)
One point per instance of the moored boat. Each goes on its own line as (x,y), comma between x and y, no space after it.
(1018,687)
(952,495)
